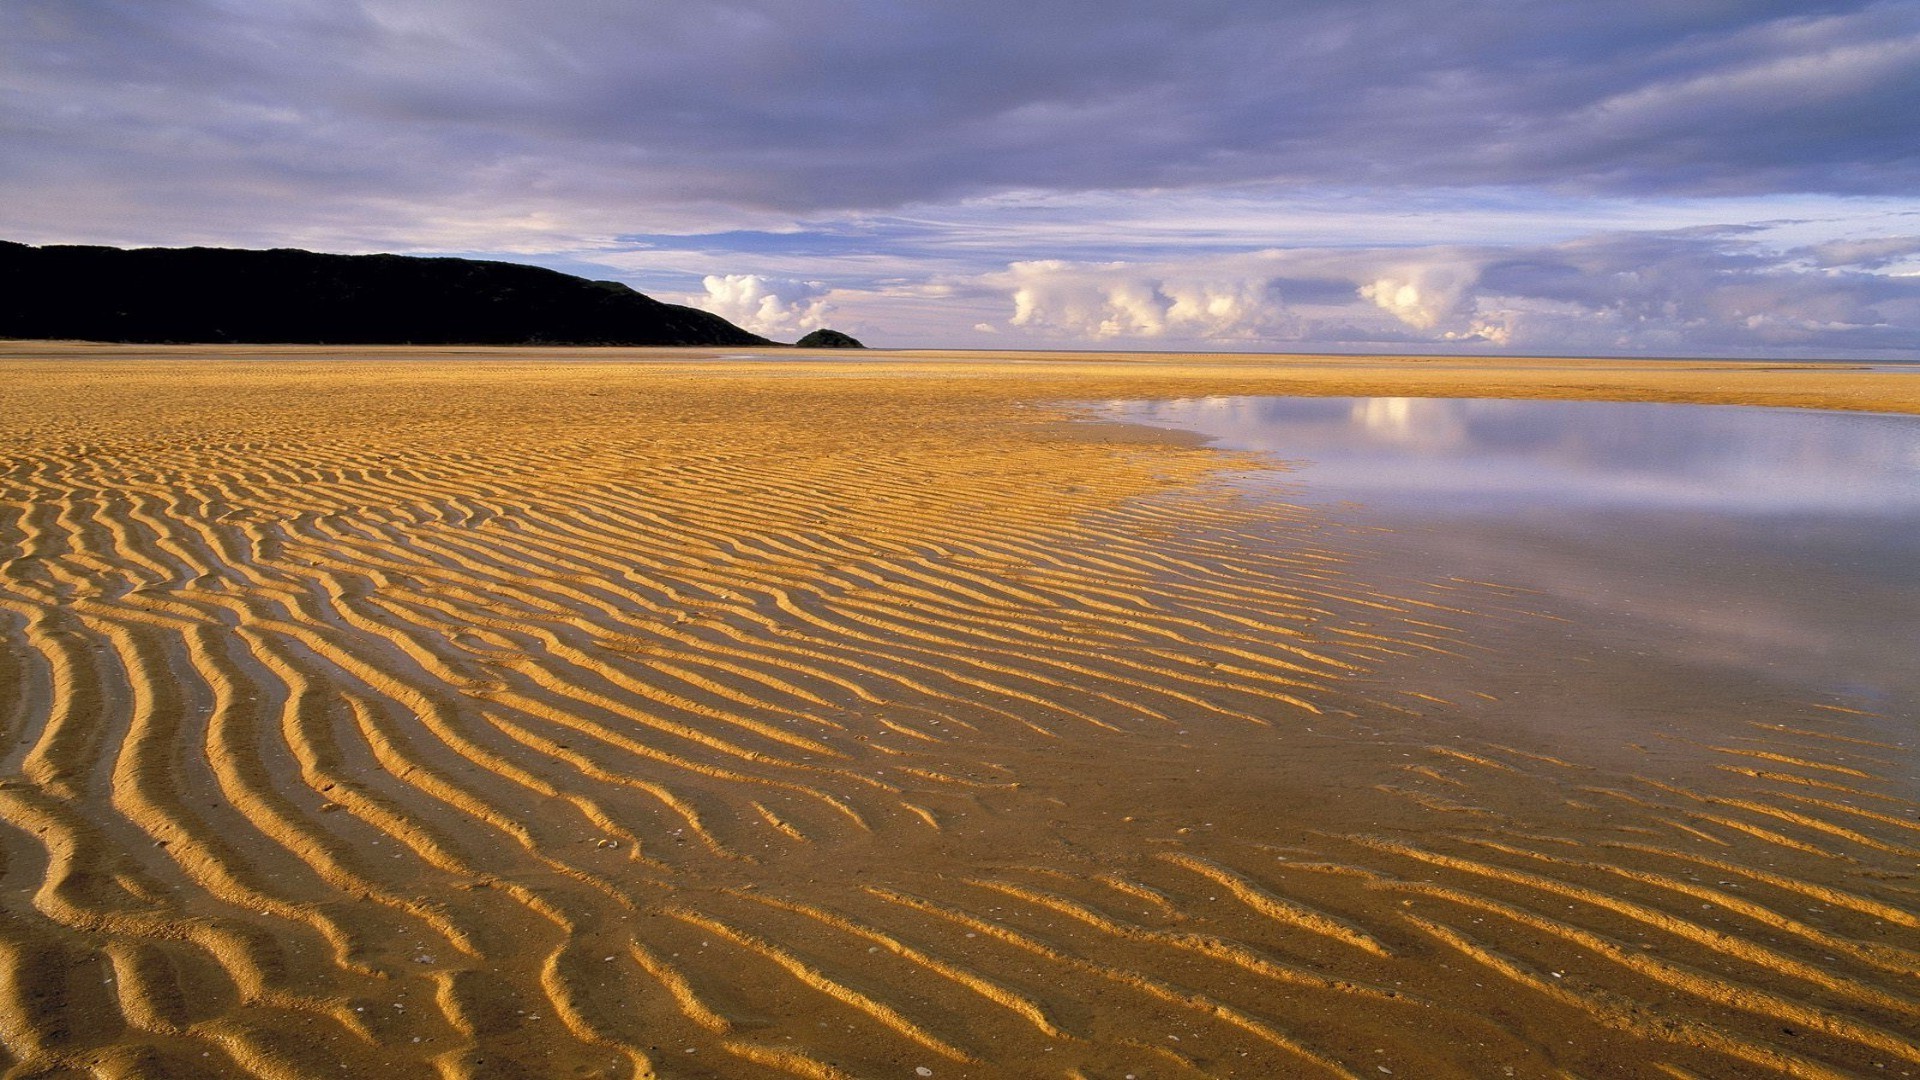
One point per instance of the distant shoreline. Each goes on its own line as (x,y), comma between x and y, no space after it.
(1794,384)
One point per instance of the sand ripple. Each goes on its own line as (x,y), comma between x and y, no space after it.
(482,720)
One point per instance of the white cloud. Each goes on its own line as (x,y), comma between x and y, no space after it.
(1680,292)
(769,306)
(1105,301)
(1436,293)
(1405,300)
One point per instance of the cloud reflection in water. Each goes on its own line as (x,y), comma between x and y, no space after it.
(1776,544)
(1471,455)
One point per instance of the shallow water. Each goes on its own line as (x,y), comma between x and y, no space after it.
(1779,546)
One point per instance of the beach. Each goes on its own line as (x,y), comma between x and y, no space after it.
(694,713)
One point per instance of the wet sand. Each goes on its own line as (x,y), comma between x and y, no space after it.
(390,712)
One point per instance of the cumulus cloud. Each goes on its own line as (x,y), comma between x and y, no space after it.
(1686,292)
(1424,295)
(766,306)
(1122,300)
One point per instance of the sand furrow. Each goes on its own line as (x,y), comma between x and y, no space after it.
(884,1015)
(1722,991)
(1004,997)
(1165,993)
(496,715)
(1278,908)
(1889,957)
(1628,1015)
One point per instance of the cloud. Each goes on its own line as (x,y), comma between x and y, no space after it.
(1222,173)
(1684,292)
(1424,295)
(766,306)
(1869,254)
(1121,300)
(405,120)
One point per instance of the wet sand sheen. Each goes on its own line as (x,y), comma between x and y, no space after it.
(498,714)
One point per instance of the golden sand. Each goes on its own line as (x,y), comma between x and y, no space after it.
(455,713)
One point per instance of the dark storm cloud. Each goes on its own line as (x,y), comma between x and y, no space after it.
(306,105)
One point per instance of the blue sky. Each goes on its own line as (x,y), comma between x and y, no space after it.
(1685,177)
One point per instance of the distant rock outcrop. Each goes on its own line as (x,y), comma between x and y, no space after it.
(290,296)
(827,339)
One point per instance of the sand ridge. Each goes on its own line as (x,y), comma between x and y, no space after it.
(476,713)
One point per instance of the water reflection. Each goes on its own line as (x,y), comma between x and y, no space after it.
(1780,547)
(1468,455)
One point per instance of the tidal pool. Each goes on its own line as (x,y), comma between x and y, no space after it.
(1775,550)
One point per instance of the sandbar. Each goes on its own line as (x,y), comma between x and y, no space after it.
(527,713)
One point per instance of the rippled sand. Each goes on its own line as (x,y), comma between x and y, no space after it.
(507,713)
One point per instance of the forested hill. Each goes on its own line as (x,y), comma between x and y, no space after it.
(302,297)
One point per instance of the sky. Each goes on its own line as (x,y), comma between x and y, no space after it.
(1637,177)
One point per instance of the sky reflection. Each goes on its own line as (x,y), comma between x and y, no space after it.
(1778,545)
(1469,455)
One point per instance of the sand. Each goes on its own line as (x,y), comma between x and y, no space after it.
(390,712)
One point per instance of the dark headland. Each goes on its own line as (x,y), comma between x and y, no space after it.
(288,296)
(828,339)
